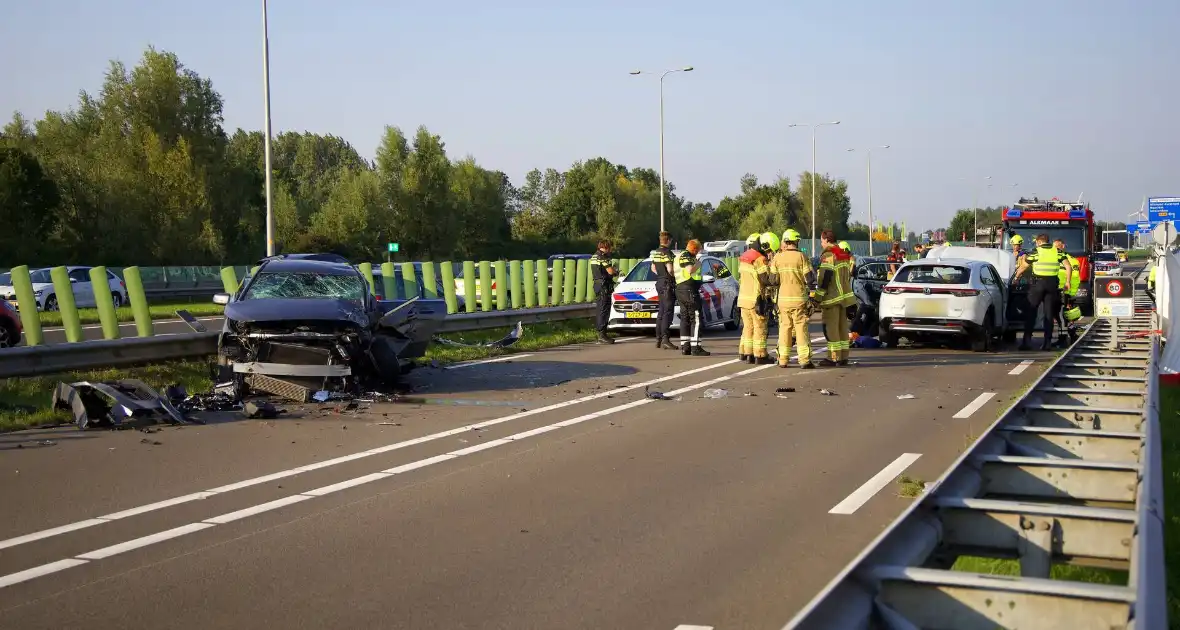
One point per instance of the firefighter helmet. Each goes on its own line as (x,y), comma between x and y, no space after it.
(791,235)
(769,241)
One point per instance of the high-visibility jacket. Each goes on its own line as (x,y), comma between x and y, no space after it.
(1151,277)
(834,286)
(661,258)
(683,267)
(603,282)
(753,275)
(1075,277)
(791,269)
(1045,261)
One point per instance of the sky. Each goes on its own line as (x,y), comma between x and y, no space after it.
(1059,97)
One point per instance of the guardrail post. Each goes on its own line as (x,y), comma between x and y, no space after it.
(100,281)
(542,283)
(26,301)
(429,283)
(501,285)
(229,280)
(580,283)
(485,286)
(139,305)
(448,281)
(557,283)
(63,291)
(469,286)
(410,280)
(528,272)
(514,275)
(388,281)
(366,270)
(571,275)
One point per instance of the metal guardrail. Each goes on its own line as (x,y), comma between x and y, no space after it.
(88,355)
(1070,474)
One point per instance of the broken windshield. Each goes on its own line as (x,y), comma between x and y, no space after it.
(307,286)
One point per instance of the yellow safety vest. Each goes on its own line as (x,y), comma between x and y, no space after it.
(1046,261)
(683,264)
(1075,278)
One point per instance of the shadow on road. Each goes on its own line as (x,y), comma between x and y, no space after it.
(34,439)
(511,375)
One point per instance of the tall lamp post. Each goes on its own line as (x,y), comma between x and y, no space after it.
(814,177)
(270,216)
(666,73)
(869,177)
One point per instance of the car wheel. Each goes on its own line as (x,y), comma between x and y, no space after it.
(982,341)
(735,317)
(117,299)
(51,303)
(9,338)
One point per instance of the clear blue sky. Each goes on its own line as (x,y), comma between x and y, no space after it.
(1059,96)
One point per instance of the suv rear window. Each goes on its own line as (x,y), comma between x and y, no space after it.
(933,274)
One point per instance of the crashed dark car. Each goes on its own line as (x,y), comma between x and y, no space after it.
(305,323)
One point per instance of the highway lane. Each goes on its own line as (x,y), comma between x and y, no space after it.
(611,511)
(93,332)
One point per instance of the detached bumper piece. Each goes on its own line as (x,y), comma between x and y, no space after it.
(114,404)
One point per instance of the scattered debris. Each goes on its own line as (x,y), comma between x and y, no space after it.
(152,442)
(827,392)
(264,411)
(906,397)
(781,396)
(113,403)
(655,395)
(715,393)
(749,394)
(508,340)
(785,390)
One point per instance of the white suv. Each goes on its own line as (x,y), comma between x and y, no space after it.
(943,297)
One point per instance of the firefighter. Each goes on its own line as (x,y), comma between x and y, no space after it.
(1068,291)
(753,278)
(661,266)
(848,248)
(604,285)
(833,290)
(792,273)
(1017,246)
(1045,261)
(688,295)
(753,241)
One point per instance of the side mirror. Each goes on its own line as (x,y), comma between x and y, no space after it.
(708,278)
(221,298)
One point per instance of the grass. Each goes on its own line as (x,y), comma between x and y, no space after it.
(158,311)
(910,487)
(1170,447)
(1002,566)
(536,337)
(25,402)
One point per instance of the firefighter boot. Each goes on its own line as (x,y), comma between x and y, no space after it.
(762,361)
(698,351)
(685,349)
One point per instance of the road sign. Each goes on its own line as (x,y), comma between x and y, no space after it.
(1160,209)
(393,247)
(1114,297)
(1141,227)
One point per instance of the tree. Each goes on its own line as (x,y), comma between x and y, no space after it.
(28,208)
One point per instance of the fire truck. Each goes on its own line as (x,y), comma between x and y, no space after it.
(1072,222)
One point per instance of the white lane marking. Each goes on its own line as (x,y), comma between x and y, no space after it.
(1022,367)
(49,533)
(143,541)
(819,339)
(132,324)
(509,357)
(685,626)
(974,405)
(176,532)
(871,487)
(35,572)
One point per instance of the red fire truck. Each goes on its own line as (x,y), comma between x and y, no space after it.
(1072,222)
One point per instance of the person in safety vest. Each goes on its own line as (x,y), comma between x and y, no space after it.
(1017,246)
(753,278)
(1045,262)
(688,295)
(791,271)
(833,290)
(661,266)
(1068,291)
(603,272)
(1151,281)
(848,248)
(753,241)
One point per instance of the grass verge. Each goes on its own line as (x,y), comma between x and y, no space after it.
(1170,448)
(158,311)
(910,487)
(999,566)
(536,337)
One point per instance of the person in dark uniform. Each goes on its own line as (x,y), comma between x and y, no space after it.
(661,265)
(1046,262)
(604,285)
(688,295)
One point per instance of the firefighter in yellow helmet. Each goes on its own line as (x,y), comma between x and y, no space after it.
(833,290)
(753,277)
(791,271)
(1017,246)
(753,241)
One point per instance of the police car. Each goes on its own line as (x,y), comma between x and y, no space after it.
(635,303)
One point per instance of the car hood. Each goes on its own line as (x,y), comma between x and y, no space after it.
(279,310)
(635,287)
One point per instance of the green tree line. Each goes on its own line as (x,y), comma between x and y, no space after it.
(145,173)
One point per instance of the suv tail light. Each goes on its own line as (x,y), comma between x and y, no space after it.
(893,290)
(965,292)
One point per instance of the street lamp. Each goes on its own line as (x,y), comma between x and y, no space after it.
(813,175)
(975,206)
(869,177)
(270,217)
(666,73)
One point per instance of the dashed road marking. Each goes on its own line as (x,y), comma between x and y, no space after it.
(874,485)
(974,405)
(509,357)
(1019,369)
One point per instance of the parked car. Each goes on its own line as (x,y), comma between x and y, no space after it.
(1107,263)
(10,326)
(46,295)
(635,303)
(941,297)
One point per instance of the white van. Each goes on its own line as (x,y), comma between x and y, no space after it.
(723,249)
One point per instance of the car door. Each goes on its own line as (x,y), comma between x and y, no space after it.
(999,300)
(870,279)
(728,286)
(83,289)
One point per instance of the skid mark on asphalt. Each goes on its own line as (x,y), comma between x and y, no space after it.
(56,531)
(974,405)
(176,532)
(861,495)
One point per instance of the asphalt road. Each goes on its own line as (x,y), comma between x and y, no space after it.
(93,332)
(547,493)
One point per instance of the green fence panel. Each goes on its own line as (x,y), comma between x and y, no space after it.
(528,273)
(448,282)
(571,276)
(410,280)
(501,284)
(138,299)
(486,297)
(366,270)
(26,301)
(516,284)
(429,283)
(469,286)
(106,305)
(229,280)
(542,283)
(63,294)
(557,283)
(583,271)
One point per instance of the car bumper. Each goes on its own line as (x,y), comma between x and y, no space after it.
(930,326)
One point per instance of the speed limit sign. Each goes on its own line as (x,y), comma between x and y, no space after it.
(1114,297)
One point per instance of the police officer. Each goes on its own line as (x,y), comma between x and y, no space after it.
(604,285)
(661,266)
(1068,285)
(1045,261)
(791,271)
(833,290)
(688,295)
(753,278)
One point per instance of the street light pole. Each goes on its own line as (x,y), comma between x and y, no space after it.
(666,73)
(270,217)
(813,175)
(869,177)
